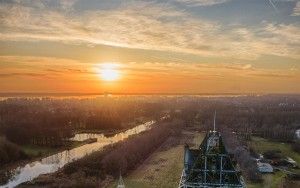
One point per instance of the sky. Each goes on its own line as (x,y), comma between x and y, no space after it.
(151,46)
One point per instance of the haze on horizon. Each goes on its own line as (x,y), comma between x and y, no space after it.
(157,46)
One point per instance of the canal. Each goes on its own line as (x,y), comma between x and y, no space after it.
(54,162)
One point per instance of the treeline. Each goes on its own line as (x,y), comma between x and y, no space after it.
(10,152)
(296,146)
(239,118)
(50,121)
(94,170)
(242,155)
(274,118)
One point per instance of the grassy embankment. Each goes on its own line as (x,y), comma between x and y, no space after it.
(34,151)
(261,145)
(164,167)
(110,132)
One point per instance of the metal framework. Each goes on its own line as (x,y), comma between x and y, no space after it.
(121,182)
(210,165)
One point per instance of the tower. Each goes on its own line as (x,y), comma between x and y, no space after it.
(210,165)
(121,182)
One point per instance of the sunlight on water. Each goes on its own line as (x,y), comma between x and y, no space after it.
(54,162)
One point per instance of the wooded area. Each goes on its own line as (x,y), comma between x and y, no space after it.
(51,121)
(94,170)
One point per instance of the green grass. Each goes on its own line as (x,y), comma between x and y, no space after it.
(39,151)
(260,145)
(132,184)
(36,151)
(163,168)
(269,181)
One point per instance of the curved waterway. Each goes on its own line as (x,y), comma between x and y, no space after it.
(54,162)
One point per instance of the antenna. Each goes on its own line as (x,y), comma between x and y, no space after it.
(120,182)
(215,121)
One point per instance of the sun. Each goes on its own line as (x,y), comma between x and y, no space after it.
(109,71)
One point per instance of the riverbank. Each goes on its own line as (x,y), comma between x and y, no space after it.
(36,153)
(54,163)
(138,121)
(98,168)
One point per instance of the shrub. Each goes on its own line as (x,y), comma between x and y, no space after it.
(10,152)
(296,146)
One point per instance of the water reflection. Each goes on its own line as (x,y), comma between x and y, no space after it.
(54,162)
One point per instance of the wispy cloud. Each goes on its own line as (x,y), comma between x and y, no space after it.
(157,27)
(38,60)
(202,2)
(54,74)
(273,75)
(296,10)
(58,66)
(14,74)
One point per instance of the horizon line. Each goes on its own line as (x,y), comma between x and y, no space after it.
(7,94)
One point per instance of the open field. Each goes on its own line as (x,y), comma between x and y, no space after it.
(269,181)
(273,180)
(163,168)
(261,145)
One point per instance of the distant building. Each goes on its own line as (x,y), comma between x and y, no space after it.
(264,167)
(291,161)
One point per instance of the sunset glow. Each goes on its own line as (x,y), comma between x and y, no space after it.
(109,72)
(76,74)
(180,46)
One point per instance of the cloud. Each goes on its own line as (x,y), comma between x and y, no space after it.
(38,60)
(202,2)
(3,75)
(296,10)
(157,27)
(273,75)
(44,4)
(55,74)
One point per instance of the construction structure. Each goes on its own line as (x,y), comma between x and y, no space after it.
(210,165)
(121,182)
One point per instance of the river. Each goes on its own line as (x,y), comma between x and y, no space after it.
(54,162)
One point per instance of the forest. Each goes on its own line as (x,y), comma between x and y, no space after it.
(100,167)
(50,122)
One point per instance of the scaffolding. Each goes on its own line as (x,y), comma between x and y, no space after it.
(210,165)
(121,182)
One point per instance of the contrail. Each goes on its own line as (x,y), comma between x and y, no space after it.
(273,5)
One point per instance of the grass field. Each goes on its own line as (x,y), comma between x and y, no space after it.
(261,145)
(164,167)
(39,151)
(269,181)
